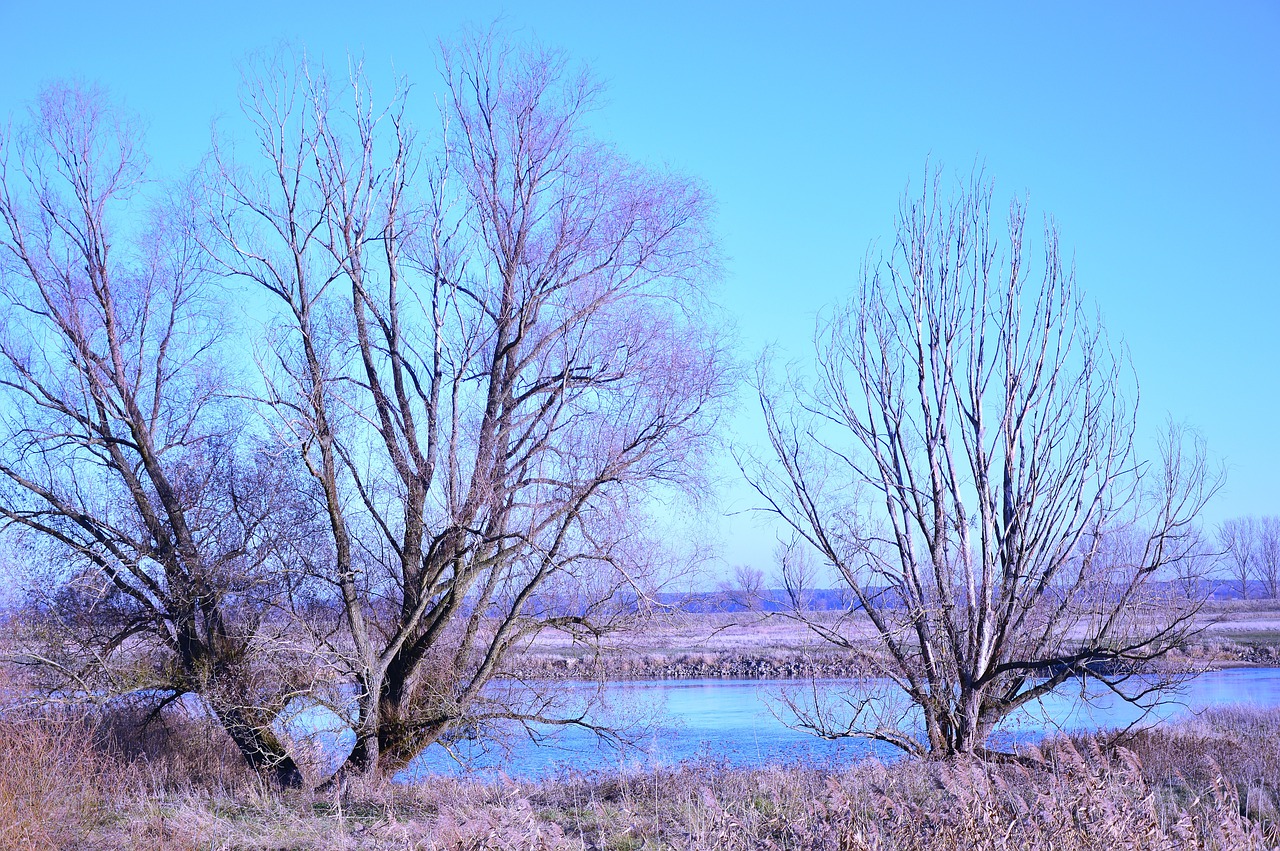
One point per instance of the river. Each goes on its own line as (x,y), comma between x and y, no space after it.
(738,722)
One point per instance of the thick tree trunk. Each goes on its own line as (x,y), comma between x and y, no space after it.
(367,752)
(968,733)
(264,753)
(386,740)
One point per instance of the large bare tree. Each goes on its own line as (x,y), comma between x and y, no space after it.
(964,461)
(116,449)
(494,351)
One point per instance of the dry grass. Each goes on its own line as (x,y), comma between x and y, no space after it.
(1075,799)
(1233,746)
(1070,799)
(1206,784)
(177,751)
(54,786)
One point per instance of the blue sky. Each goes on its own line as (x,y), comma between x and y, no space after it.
(1149,130)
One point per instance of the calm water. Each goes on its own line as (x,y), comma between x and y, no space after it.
(738,721)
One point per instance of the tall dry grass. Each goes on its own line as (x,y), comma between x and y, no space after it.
(173,750)
(1073,799)
(1235,746)
(1068,799)
(55,787)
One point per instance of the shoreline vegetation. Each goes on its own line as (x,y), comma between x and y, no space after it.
(76,781)
(1212,782)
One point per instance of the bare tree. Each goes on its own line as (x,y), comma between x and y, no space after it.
(746,589)
(494,351)
(964,460)
(1193,570)
(800,576)
(1268,555)
(115,448)
(1251,551)
(1239,538)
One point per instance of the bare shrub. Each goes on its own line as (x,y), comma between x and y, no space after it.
(179,749)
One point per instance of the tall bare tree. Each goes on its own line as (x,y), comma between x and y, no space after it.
(494,350)
(964,462)
(1239,538)
(115,448)
(1268,555)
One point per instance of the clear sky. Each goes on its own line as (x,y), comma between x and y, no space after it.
(1151,131)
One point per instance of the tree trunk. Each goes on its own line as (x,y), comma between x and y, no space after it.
(968,733)
(262,750)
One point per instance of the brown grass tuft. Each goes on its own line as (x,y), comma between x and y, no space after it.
(54,785)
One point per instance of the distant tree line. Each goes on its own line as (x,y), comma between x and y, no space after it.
(1250,554)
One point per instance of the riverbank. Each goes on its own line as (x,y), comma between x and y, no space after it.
(769,647)
(784,664)
(1210,783)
